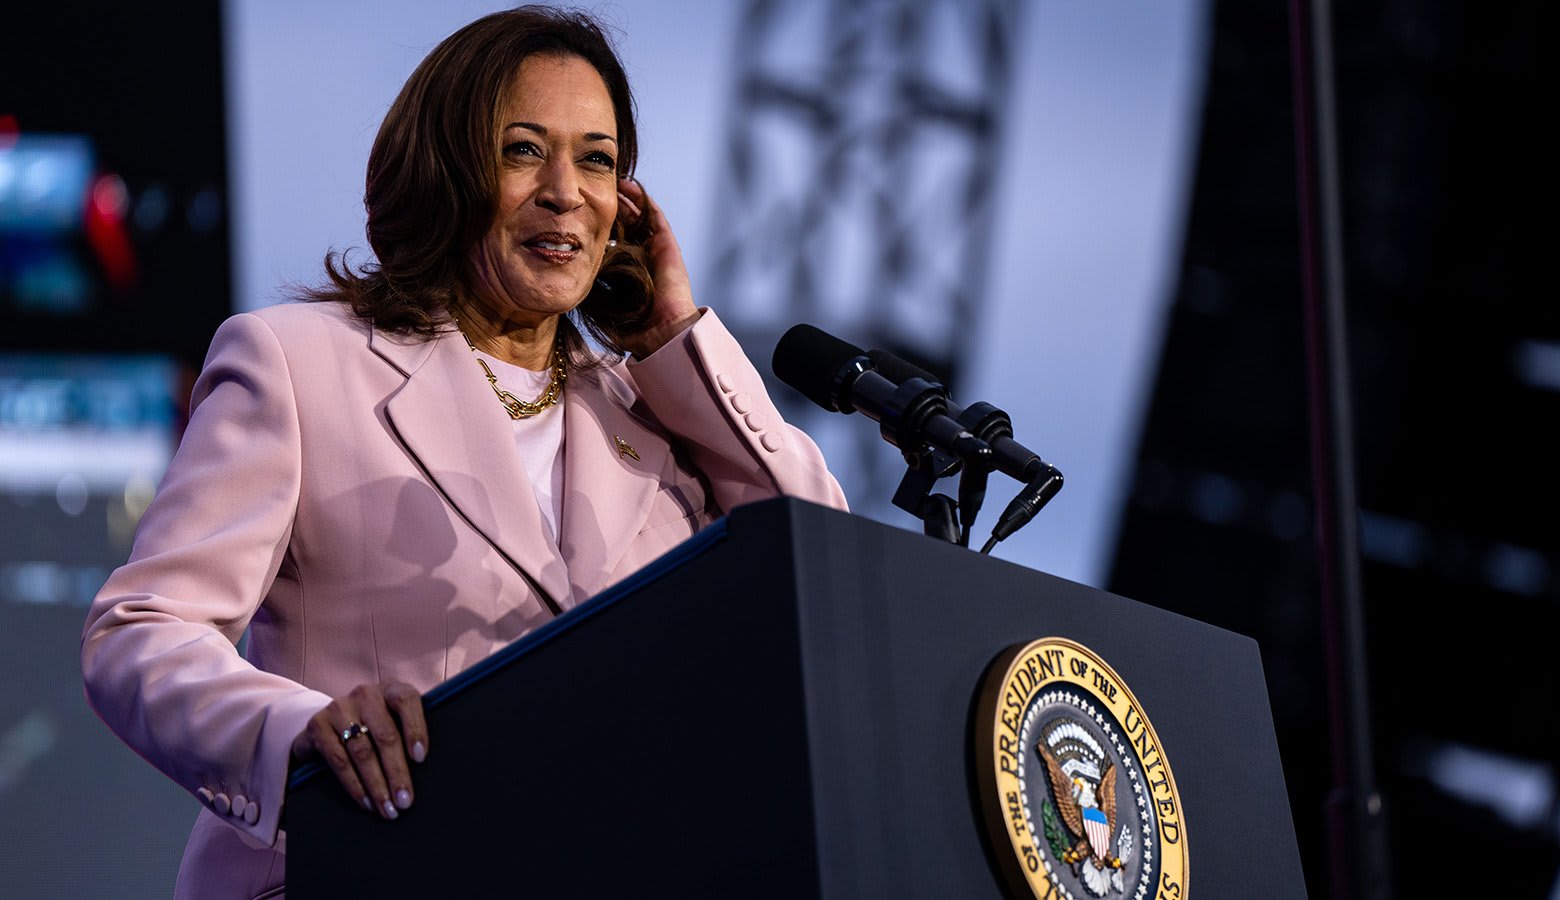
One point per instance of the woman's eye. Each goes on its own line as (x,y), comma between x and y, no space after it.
(602,159)
(522,148)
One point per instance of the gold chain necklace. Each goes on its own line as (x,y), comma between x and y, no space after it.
(521,409)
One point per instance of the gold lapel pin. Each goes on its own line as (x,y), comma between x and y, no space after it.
(624,448)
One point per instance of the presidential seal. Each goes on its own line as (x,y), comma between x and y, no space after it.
(1078,795)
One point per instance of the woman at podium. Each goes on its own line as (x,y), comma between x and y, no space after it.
(389,483)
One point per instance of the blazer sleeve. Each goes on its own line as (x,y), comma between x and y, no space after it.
(158,651)
(703,389)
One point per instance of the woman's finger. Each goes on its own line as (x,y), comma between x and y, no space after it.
(671,273)
(406,703)
(631,197)
(325,739)
(364,752)
(652,212)
(672,308)
(365,759)
(630,210)
(392,751)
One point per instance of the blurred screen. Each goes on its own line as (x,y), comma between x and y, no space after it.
(83,440)
(46,184)
(43,184)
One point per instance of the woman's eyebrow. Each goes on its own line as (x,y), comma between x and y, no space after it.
(542,130)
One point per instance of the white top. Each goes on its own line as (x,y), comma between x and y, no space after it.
(538,438)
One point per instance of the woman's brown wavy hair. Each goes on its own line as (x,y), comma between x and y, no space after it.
(432,186)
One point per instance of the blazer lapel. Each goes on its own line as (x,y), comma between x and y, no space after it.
(608,486)
(450,422)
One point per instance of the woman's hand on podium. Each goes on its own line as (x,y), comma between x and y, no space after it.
(366,737)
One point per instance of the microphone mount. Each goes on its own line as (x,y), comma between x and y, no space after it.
(936,437)
(986,422)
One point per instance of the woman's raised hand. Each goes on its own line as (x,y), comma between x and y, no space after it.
(674,308)
(366,737)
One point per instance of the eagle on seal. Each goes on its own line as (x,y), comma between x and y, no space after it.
(1088,813)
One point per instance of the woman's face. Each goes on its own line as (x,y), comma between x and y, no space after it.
(557,191)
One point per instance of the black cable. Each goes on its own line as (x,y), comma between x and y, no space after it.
(972,493)
(1035,495)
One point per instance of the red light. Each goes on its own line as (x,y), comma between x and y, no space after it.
(110,197)
(106,205)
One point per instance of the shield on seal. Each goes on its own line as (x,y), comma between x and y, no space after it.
(1098,828)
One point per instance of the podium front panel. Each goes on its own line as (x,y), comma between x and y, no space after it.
(785,706)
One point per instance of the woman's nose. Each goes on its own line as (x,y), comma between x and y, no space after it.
(560,186)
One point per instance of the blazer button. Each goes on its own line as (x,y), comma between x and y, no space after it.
(772,441)
(741,402)
(205,795)
(726,384)
(222,804)
(252,812)
(239,803)
(755,421)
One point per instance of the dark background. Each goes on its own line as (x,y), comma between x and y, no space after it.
(144,81)
(1450,314)
(83,372)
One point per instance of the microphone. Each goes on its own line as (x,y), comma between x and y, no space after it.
(1041,479)
(983,420)
(841,377)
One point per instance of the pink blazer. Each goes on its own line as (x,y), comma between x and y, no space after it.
(355,501)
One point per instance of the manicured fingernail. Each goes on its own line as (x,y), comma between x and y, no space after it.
(390,812)
(419,752)
(367,806)
(403,798)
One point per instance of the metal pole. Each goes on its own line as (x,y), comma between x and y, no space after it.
(1356,832)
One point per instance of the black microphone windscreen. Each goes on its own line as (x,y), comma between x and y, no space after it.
(898,370)
(811,360)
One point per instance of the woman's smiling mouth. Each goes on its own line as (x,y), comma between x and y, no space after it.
(554,246)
